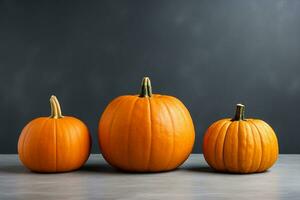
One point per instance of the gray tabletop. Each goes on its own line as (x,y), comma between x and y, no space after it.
(193,180)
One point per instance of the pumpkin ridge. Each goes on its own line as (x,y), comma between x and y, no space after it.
(129,130)
(80,134)
(252,135)
(183,114)
(151,139)
(206,141)
(273,139)
(179,105)
(234,165)
(24,141)
(226,138)
(70,125)
(217,138)
(64,130)
(55,133)
(251,125)
(117,102)
(41,128)
(58,126)
(255,149)
(109,131)
(274,142)
(226,135)
(173,130)
(244,168)
(269,141)
(73,127)
(238,145)
(262,146)
(213,142)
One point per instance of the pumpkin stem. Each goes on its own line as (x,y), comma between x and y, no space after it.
(146,89)
(239,113)
(55,108)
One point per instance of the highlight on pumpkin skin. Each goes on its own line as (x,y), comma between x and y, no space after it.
(55,108)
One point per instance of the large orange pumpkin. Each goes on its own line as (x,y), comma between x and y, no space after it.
(146,132)
(240,145)
(54,144)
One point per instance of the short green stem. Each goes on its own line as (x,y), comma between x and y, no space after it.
(239,113)
(146,89)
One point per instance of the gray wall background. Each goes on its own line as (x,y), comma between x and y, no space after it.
(209,54)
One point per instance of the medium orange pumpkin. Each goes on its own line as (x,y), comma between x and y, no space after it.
(54,144)
(146,132)
(240,145)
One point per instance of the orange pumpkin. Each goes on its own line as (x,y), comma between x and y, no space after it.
(54,144)
(240,145)
(146,132)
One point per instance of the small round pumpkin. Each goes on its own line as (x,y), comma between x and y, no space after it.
(146,132)
(54,144)
(240,145)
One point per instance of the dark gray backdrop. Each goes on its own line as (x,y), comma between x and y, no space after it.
(209,54)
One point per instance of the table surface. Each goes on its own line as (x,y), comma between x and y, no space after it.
(193,180)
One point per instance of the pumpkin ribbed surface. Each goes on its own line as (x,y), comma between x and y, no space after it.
(240,146)
(54,144)
(146,133)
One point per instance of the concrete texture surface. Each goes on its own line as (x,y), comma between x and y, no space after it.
(193,180)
